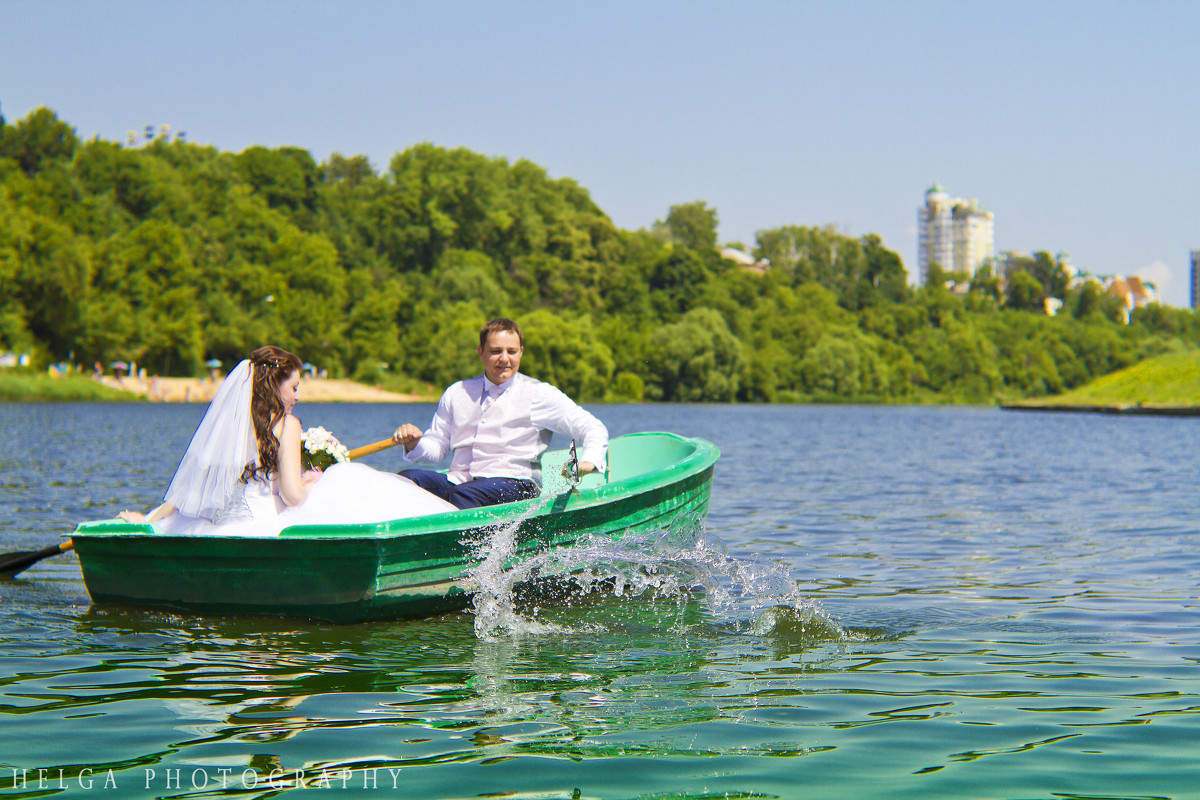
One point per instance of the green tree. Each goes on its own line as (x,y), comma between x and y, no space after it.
(626,387)
(551,282)
(985,281)
(151,269)
(885,271)
(676,281)
(285,176)
(566,352)
(353,171)
(1088,300)
(49,275)
(844,363)
(1050,273)
(1025,292)
(440,345)
(691,225)
(959,361)
(850,268)
(467,276)
(311,304)
(694,359)
(37,140)
(371,343)
(14,329)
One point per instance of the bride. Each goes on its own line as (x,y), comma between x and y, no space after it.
(241,473)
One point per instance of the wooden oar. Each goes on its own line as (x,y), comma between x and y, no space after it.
(12,563)
(367,449)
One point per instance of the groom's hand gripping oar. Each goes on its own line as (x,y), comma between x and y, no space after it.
(571,468)
(12,563)
(570,471)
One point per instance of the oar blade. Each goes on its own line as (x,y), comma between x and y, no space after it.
(12,563)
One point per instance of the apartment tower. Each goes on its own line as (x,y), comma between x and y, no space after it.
(954,233)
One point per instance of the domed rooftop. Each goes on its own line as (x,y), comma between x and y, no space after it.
(936,196)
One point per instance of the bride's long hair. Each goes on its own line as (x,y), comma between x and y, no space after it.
(272,366)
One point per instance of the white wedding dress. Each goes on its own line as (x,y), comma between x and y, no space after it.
(346,494)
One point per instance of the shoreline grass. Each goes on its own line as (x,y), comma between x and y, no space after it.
(26,387)
(1171,380)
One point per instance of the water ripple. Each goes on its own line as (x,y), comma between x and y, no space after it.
(1007,608)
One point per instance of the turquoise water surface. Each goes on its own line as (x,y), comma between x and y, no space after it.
(978,604)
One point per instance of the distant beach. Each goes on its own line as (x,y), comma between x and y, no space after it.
(312,390)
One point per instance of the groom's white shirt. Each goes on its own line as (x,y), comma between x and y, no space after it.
(505,439)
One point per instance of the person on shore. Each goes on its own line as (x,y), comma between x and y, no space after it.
(241,475)
(497,425)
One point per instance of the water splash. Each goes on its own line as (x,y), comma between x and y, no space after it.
(495,551)
(676,564)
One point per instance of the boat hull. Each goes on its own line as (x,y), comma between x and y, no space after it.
(405,568)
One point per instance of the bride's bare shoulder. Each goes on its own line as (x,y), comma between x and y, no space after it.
(289,425)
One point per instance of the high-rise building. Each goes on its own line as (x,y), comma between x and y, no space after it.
(934,242)
(1195,280)
(954,233)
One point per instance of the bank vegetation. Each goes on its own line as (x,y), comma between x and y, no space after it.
(169,254)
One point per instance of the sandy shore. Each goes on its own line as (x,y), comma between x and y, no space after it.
(312,390)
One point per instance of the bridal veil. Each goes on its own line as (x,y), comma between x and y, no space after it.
(208,482)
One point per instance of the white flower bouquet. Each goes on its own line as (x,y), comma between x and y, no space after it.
(320,449)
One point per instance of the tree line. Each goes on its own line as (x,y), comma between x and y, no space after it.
(172,253)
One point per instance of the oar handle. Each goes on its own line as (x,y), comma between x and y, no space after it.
(367,449)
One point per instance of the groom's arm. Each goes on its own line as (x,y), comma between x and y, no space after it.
(433,445)
(554,411)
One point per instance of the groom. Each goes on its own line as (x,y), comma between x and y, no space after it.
(497,425)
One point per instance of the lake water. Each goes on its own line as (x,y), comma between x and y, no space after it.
(1011,602)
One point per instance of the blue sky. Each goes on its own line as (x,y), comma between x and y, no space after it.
(1075,123)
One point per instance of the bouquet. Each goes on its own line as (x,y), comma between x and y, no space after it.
(320,449)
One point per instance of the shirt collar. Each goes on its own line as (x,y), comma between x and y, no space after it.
(496,389)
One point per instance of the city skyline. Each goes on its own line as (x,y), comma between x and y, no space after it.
(1070,121)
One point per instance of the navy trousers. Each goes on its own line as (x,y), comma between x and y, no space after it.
(473,493)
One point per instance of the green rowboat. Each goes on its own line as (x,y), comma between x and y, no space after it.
(404,568)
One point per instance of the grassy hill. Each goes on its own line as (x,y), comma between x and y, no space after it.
(1172,379)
